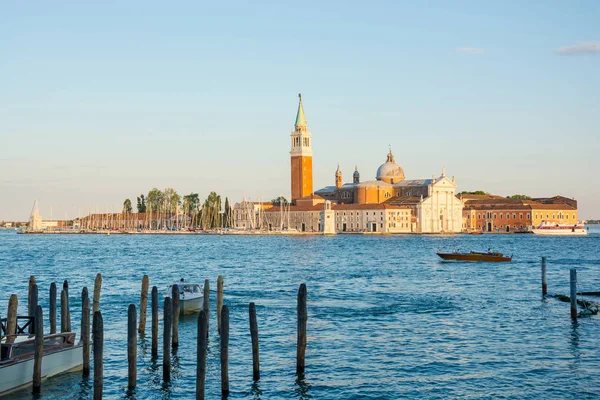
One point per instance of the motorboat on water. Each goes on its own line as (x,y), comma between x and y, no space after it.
(553,228)
(61,354)
(474,256)
(191,297)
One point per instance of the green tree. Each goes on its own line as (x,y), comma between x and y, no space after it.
(141,204)
(170,200)
(154,200)
(210,211)
(127,209)
(519,197)
(191,204)
(475,192)
(279,201)
(227,214)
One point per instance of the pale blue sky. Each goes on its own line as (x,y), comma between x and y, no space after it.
(103,101)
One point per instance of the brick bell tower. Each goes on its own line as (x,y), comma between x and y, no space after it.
(301,156)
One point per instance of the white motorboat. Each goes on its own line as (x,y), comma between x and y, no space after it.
(191,297)
(553,228)
(61,354)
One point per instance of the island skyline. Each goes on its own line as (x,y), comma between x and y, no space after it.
(92,116)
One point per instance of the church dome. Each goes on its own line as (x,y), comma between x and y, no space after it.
(389,171)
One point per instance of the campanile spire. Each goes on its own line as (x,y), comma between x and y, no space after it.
(301,156)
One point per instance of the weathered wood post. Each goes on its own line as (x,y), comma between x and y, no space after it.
(175,316)
(143,304)
(30,285)
(84,293)
(225,350)
(97,287)
(131,347)
(254,336)
(219,301)
(302,318)
(202,344)
(68,309)
(52,315)
(154,322)
(573,282)
(33,302)
(85,334)
(98,346)
(544,280)
(63,312)
(11,318)
(167,320)
(206,304)
(38,350)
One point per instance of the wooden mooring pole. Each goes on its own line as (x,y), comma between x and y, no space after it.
(167,320)
(97,287)
(33,302)
(66,290)
(98,345)
(219,301)
(85,334)
(302,318)
(206,304)
(254,336)
(573,286)
(32,282)
(202,346)
(64,311)
(11,318)
(225,351)
(131,347)
(175,315)
(38,349)
(154,322)
(544,279)
(143,304)
(52,314)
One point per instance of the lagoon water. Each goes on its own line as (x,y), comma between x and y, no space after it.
(387,319)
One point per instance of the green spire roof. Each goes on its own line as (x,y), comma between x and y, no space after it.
(300,118)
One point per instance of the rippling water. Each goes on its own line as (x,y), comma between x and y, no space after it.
(386,318)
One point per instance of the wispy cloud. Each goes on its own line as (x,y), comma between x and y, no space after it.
(580,48)
(470,50)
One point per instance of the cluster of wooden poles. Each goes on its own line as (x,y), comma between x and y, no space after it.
(170,332)
(37,327)
(572,288)
(171,310)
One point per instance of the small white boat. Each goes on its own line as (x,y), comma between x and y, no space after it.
(191,297)
(553,228)
(61,354)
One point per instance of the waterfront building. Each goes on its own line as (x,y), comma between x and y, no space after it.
(301,156)
(490,213)
(310,215)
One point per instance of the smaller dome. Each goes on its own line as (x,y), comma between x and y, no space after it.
(390,171)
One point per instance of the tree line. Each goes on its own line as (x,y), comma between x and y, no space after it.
(167,204)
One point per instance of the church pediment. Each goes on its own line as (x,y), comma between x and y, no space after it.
(444,181)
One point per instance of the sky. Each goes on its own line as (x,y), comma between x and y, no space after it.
(103,101)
